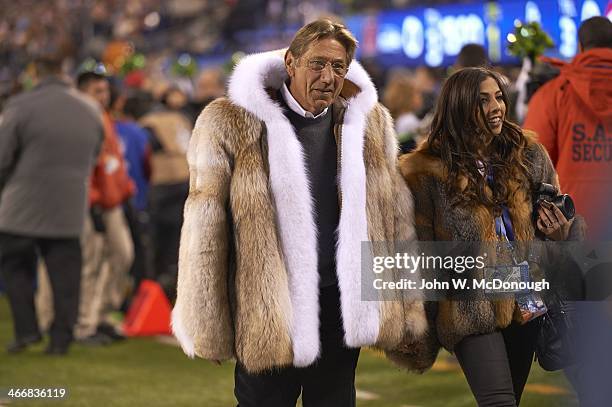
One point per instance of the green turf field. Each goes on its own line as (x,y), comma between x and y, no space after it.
(145,372)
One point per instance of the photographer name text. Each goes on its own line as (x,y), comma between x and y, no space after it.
(465,284)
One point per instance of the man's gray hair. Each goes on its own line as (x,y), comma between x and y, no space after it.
(322,29)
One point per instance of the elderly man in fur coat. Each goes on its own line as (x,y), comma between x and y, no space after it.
(289,174)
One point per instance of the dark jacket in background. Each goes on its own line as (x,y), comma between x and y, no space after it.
(49,138)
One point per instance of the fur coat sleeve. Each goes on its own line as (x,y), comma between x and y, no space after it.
(417,353)
(419,348)
(544,171)
(204,248)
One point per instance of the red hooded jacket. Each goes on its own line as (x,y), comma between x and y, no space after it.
(110,184)
(572,115)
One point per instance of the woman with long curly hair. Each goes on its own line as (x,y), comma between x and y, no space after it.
(473,180)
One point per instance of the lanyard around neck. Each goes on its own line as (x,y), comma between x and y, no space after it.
(503,223)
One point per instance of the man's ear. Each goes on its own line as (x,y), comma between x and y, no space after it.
(290,62)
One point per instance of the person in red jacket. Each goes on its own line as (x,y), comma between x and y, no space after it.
(108,250)
(572,115)
(110,183)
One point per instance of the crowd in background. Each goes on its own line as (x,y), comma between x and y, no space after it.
(148,119)
(161,30)
(150,109)
(136,235)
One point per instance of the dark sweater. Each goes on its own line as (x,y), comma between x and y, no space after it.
(319,146)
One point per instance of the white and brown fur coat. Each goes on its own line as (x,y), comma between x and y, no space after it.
(248,279)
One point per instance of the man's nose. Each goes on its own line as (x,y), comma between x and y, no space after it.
(327,74)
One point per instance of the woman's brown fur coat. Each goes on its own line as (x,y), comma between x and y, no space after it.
(437,220)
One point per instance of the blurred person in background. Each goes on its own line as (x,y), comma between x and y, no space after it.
(572,115)
(475,55)
(472,182)
(470,56)
(170,131)
(210,85)
(107,243)
(269,261)
(403,100)
(374,69)
(49,139)
(427,81)
(174,99)
(128,109)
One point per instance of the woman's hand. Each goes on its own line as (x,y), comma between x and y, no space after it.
(552,222)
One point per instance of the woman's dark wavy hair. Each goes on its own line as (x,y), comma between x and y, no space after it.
(461,137)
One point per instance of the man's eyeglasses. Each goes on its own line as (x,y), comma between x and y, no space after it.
(318,65)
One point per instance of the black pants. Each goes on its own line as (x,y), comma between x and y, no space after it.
(18,265)
(138,222)
(330,381)
(497,365)
(591,373)
(166,209)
